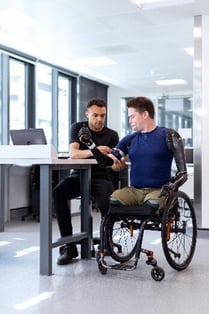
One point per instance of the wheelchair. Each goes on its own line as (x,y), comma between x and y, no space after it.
(122,230)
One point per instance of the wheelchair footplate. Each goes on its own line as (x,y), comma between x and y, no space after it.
(157,272)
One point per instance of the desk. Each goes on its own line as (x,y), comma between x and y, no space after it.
(46,168)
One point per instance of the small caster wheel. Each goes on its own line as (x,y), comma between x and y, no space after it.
(157,273)
(98,257)
(102,269)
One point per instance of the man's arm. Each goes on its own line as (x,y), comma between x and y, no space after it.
(175,144)
(77,153)
(103,160)
(75,149)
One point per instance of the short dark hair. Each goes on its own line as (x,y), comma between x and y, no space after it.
(96,102)
(142,104)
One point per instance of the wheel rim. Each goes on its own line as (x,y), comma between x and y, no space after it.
(122,238)
(179,231)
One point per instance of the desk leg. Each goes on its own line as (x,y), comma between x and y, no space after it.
(45,220)
(86,212)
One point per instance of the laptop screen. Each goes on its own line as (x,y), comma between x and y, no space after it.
(28,136)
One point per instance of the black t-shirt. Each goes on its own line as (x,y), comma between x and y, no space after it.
(107,137)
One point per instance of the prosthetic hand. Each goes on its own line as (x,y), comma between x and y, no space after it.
(84,136)
(167,190)
(174,184)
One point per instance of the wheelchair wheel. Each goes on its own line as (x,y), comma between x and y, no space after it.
(157,273)
(122,235)
(179,231)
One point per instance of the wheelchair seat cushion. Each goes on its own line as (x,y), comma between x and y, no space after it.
(132,210)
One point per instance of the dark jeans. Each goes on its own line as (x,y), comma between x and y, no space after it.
(68,189)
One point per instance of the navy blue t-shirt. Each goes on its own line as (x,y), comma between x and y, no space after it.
(150,158)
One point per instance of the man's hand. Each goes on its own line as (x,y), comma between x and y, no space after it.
(117,153)
(104,149)
(119,164)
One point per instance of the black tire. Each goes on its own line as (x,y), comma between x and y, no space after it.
(179,231)
(122,235)
(157,273)
(102,269)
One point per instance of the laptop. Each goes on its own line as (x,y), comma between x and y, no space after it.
(31,136)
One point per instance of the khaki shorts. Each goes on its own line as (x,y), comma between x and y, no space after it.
(133,196)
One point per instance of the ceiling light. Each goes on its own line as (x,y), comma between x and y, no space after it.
(150,4)
(98,61)
(171,82)
(147,1)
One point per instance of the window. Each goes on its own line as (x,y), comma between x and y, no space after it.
(176,113)
(17,95)
(63,113)
(44,99)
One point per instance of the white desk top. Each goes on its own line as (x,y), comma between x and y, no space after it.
(36,154)
(39,161)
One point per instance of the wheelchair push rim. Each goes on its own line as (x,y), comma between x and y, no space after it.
(179,231)
(122,236)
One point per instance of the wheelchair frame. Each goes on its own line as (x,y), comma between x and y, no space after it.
(122,230)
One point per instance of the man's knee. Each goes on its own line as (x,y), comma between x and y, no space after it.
(114,201)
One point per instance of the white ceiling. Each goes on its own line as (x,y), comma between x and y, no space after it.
(146,45)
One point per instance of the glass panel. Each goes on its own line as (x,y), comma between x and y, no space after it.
(63,114)
(44,100)
(17,104)
(125,126)
(89,89)
(176,113)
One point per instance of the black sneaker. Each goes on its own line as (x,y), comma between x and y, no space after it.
(67,253)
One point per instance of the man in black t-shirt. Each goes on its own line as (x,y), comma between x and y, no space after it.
(101,178)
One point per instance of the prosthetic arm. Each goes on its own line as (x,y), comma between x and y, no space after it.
(84,136)
(175,144)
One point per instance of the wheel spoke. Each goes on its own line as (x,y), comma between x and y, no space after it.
(122,238)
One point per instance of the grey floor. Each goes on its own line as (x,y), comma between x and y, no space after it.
(80,288)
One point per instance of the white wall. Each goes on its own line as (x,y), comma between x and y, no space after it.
(114,108)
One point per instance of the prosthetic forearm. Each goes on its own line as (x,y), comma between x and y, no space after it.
(174,184)
(85,137)
(175,144)
(103,160)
